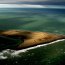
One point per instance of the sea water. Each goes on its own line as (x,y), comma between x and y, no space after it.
(34,19)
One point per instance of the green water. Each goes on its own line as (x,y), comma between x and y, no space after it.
(54,23)
(49,55)
(53,54)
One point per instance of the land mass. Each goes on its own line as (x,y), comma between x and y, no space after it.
(19,39)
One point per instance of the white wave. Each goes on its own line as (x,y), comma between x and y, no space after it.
(24,50)
(31,6)
(6,53)
(13,53)
(20,6)
(2,57)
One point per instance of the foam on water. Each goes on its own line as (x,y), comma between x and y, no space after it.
(13,53)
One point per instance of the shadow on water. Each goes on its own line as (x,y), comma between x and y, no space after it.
(9,43)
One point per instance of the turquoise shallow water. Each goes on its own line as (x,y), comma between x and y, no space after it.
(46,20)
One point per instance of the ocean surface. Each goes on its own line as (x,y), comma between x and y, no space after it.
(34,19)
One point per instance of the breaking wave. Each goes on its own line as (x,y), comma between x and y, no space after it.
(8,53)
